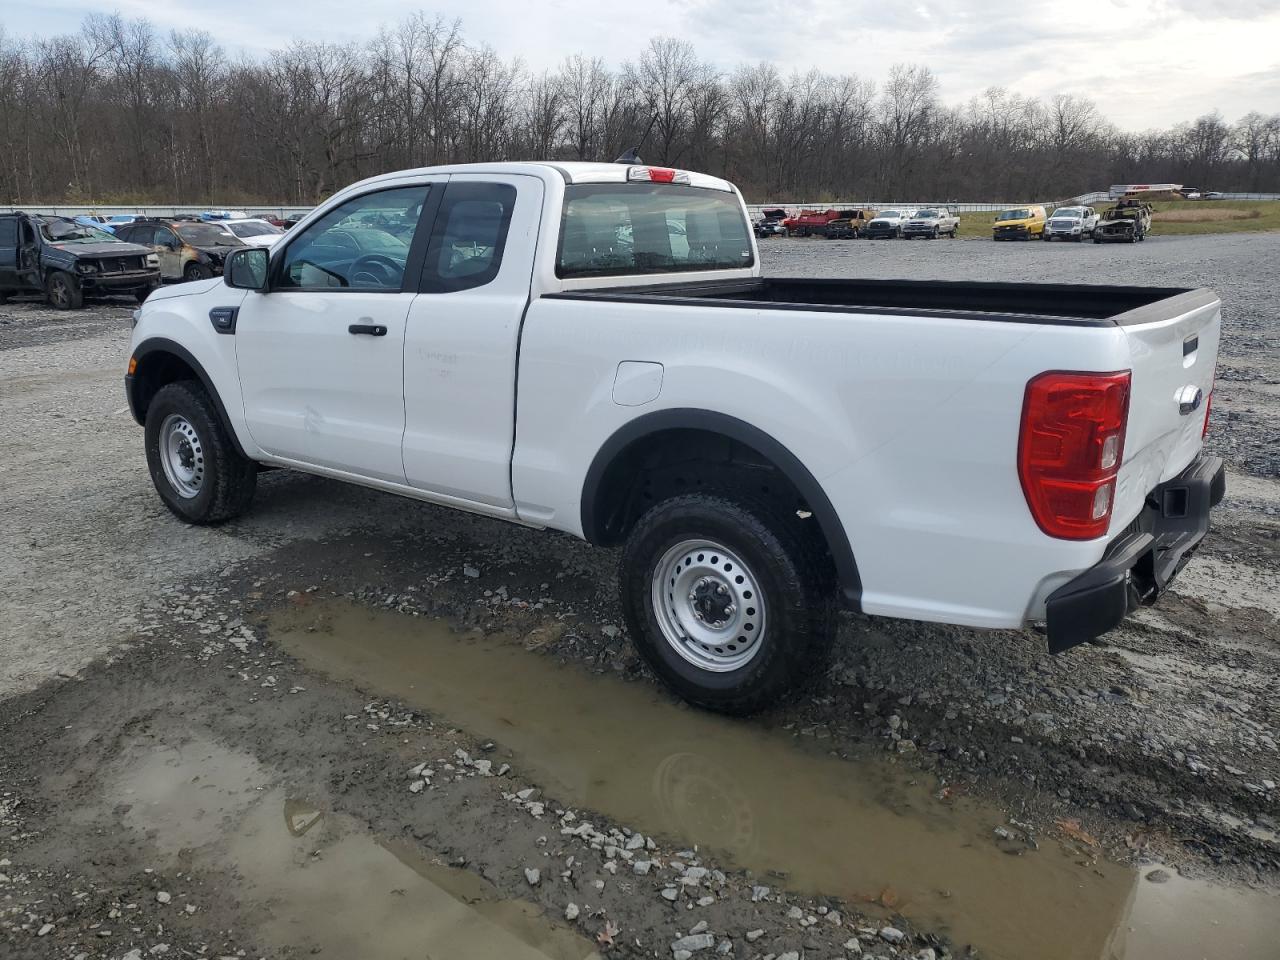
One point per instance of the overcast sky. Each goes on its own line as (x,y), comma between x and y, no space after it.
(1147,63)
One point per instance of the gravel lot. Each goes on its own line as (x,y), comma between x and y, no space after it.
(1158,746)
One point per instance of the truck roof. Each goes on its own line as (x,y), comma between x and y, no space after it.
(572,171)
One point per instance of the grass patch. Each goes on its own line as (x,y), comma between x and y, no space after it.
(1175,217)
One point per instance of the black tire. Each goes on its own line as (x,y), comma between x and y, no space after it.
(934,236)
(63,292)
(229,479)
(795,580)
(196,271)
(1097,239)
(141,295)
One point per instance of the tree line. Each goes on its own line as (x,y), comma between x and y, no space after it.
(122,113)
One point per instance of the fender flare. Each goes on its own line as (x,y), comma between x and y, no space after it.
(733,428)
(164,345)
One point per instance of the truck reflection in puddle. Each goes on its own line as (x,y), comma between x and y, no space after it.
(863,830)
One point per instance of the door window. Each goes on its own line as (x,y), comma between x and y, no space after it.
(470,236)
(8,232)
(362,244)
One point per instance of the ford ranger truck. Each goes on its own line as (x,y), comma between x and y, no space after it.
(591,348)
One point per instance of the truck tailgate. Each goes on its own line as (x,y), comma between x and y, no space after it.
(1173,349)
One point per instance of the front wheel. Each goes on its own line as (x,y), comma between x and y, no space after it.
(730,603)
(194,465)
(196,271)
(63,291)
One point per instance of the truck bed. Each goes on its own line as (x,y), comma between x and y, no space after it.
(1073,304)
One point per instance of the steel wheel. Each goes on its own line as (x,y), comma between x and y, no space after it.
(708,605)
(181,456)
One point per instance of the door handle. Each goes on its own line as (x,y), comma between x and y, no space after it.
(371,329)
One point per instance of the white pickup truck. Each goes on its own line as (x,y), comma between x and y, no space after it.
(592,348)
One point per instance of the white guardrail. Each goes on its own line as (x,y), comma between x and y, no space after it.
(285,210)
(150,210)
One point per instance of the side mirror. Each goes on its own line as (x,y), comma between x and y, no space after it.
(246,269)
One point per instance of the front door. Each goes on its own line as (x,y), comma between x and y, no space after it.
(9,249)
(320,354)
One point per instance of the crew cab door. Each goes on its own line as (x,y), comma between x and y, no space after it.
(320,354)
(463,332)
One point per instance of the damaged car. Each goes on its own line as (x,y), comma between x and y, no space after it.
(67,261)
(1127,222)
(187,249)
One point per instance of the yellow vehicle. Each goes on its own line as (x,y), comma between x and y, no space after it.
(1019,223)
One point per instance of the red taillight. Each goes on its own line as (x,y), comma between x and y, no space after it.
(1208,405)
(658,174)
(1070,446)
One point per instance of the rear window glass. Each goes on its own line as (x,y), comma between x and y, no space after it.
(613,229)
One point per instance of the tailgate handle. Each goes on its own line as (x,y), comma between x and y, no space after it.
(1190,344)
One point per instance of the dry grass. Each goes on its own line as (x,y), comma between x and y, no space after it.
(1175,217)
(1204,214)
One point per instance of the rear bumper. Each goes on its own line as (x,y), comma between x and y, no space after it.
(1141,562)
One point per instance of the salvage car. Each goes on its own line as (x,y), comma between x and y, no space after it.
(1019,223)
(188,249)
(760,448)
(931,223)
(887,224)
(252,230)
(849,225)
(67,261)
(1127,222)
(769,223)
(1071,223)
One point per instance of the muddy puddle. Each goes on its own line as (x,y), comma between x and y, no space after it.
(309,881)
(757,799)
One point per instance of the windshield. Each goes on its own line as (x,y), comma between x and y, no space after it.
(249,229)
(889,215)
(58,230)
(1015,215)
(640,228)
(204,235)
(926,215)
(1074,213)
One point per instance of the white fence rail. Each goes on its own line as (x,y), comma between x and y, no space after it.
(151,210)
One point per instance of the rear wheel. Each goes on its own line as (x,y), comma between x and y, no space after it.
(194,465)
(196,271)
(728,601)
(63,291)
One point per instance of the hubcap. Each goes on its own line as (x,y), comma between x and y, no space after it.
(708,605)
(181,456)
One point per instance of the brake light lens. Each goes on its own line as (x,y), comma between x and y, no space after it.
(1070,447)
(1208,405)
(657,174)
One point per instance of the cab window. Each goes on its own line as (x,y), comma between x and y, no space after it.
(362,244)
(469,238)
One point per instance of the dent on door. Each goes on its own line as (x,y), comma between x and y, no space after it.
(637,382)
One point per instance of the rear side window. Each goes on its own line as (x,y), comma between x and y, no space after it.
(615,229)
(469,237)
(8,232)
